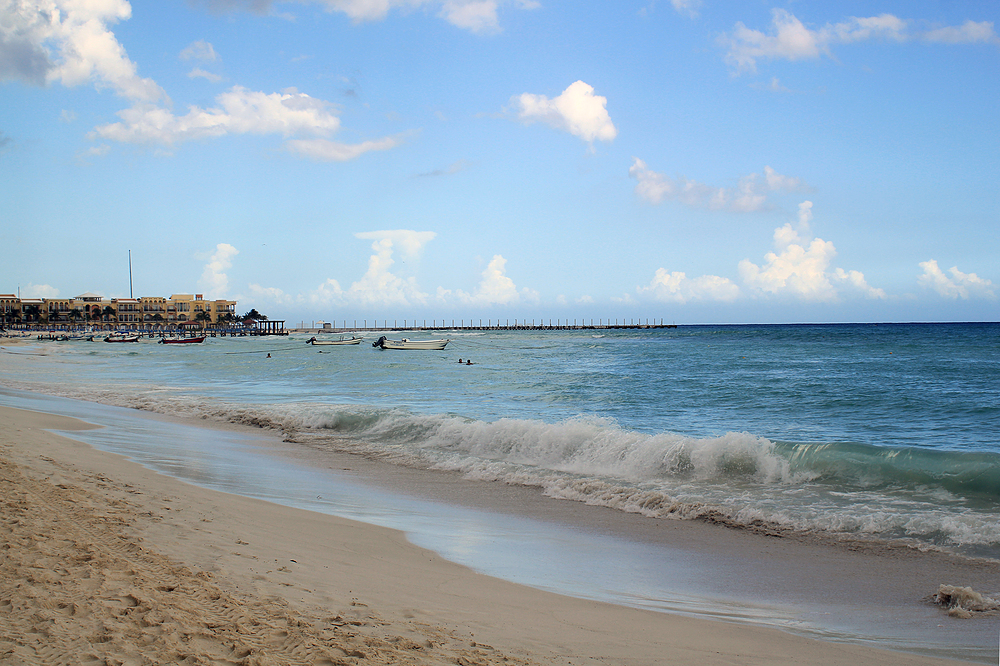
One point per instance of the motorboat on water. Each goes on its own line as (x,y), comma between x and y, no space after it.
(175,341)
(119,337)
(385,343)
(342,341)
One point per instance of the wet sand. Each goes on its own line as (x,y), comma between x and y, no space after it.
(108,562)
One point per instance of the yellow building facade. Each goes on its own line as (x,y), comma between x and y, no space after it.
(88,308)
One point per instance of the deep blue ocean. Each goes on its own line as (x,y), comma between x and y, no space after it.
(887,431)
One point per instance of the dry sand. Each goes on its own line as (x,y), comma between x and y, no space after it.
(106,562)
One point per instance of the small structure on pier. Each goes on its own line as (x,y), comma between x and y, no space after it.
(269,327)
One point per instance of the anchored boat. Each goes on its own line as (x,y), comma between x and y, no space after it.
(122,338)
(342,341)
(385,343)
(176,341)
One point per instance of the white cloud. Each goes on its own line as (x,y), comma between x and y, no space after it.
(789,39)
(958,286)
(496,288)
(751,194)
(241,111)
(473,15)
(200,50)
(238,111)
(214,280)
(379,285)
(325,150)
(328,293)
(969,32)
(270,295)
(39,291)
(577,111)
(69,41)
(686,7)
(800,266)
(199,73)
(676,287)
(855,280)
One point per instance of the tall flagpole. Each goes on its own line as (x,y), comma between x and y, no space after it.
(130,274)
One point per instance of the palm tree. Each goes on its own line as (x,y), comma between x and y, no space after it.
(75,314)
(32,313)
(254,316)
(109,313)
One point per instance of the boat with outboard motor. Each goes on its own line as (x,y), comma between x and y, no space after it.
(121,337)
(176,341)
(385,343)
(342,341)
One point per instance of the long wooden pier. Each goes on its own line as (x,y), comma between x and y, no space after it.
(478,325)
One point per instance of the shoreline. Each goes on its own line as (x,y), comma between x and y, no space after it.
(341,588)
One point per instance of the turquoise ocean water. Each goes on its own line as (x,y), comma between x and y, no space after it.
(883,432)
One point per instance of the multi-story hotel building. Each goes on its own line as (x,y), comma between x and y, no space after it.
(125,312)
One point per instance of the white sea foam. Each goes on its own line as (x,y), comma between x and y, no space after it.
(964,602)
(940,497)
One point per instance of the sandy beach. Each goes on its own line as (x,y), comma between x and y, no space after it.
(107,562)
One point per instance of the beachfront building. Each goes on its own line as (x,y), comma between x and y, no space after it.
(128,311)
(154,309)
(10,308)
(90,308)
(188,307)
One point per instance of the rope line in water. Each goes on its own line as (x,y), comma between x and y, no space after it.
(261,351)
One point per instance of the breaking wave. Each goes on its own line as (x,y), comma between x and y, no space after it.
(937,498)
(931,497)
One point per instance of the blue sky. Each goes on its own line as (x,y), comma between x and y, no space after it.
(691,161)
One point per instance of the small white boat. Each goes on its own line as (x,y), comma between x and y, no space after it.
(385,343)
(118,337)
(342,341)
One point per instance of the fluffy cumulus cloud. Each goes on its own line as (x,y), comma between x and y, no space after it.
(472,15)
(577,111)
(70,42)
(237,111)
(214,280)
(240,111)
(954,284)
(495,288)
(270,295)
(39,291)
(750,194)
(380,285)
(790,39)
(677,287)
(800,267)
